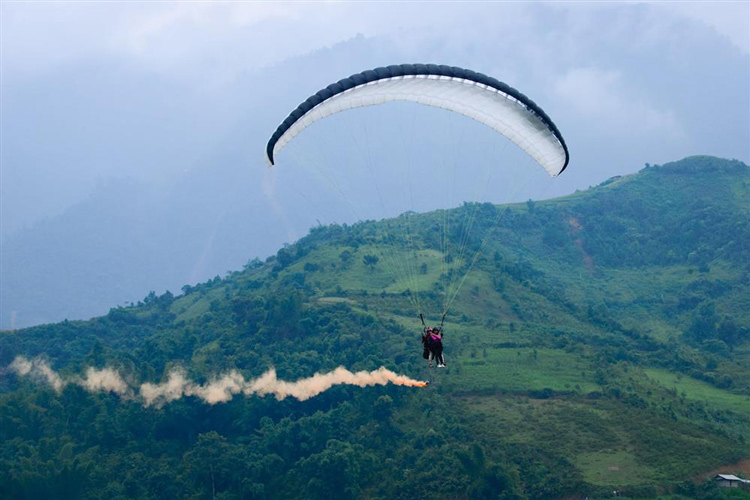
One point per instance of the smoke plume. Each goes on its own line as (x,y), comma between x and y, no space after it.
(307,388)
(218,390)
(106,380)
(38,369)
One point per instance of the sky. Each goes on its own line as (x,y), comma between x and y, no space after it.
(580,59)
(182,39)
(175,100)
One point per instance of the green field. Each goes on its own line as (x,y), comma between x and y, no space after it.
(522,369)
(700,391)
(617,468)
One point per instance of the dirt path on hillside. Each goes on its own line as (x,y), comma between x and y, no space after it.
(588,261)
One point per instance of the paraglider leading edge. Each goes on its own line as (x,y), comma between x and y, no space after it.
(406,70)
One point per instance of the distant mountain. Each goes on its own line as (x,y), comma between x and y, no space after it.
(198,143)
(187,223)
(123,240)
(600,342)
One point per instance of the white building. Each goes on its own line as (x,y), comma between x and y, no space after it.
(729,480)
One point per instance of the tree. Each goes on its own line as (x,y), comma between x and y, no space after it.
(488,479)
(704,323)
(211,463)
(370,261)
(336,471)
(731,333)
(253,264)
(383,409)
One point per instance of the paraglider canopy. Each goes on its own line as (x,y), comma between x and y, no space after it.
(463,91)
(385,152)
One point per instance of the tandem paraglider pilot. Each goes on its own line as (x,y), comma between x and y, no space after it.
(432,339)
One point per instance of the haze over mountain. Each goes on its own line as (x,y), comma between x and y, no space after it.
(169,144)
(600,343)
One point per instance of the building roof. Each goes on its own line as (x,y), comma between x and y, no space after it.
(728,477)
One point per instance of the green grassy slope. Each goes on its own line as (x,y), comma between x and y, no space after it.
(601,341)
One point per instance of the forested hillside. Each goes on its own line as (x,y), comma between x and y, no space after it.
(601,342)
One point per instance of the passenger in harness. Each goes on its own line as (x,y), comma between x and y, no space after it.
(432,339)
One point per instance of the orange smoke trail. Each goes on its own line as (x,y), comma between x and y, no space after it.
(217,390)
(320,382)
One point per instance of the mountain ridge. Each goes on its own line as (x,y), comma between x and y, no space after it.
(600,342)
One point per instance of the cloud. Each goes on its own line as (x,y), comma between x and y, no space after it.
(604,97)
(730,19)
(207,41)
(217,41)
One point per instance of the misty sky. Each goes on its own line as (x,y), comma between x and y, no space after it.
(133,133)
(92,90)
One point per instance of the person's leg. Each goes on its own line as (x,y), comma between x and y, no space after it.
(440,360)
(432,356)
